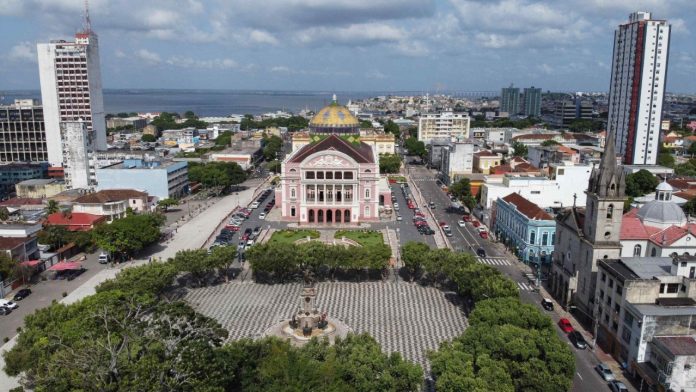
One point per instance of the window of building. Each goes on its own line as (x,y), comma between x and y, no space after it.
(609,301)
(320,175)
(619,289)
(367,210)
(603,277)
(611,283)
(636,250)
(626,335)
(347,175)
(329,175)
(292,211)
(672,288)
(610,211)
(607,234)
(367,193)
(309,175)
(535,192)
(338,175)
(617,307)
(653,252)
(544,238)
(532,237)
(292,193)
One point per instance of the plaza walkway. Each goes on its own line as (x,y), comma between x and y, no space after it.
(190,235)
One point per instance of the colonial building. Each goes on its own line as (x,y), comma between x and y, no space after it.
(583,237)
(334,177)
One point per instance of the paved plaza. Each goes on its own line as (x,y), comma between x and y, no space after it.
(403,317)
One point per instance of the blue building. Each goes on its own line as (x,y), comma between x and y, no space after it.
(161,179)
(525,228)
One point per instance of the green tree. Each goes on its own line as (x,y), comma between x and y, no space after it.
(415,147)
(692,149)
(7,266)
(665,159)
(273,166)
(462,191)
(690,207)
(519,149)
(4,214)
(221,258)
(550,142)
(365,124)
(195,262)
(217,174)
(272,146)
(389,163)
(166,203)
(224,139)
(128,235)
(148,138)
(640,183)
(52,207)
(391,127)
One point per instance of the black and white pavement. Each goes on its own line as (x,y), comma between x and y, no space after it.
(403,317)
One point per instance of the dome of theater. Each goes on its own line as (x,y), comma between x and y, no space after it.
(334,119)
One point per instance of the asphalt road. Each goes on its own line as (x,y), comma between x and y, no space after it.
(467,238)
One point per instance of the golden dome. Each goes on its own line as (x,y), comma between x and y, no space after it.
(334,118)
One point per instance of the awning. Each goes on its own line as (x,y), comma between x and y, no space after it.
(70,265)
(30,263)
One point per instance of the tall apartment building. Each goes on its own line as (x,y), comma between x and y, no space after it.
(566,111)
(443,125)
(22,133)
(71,90)
(532,102)
(76,162)
(636,92)
(510,100)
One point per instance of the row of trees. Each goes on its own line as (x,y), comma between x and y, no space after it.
(134,335)
(389,163)
(509,346)
(272,145)
(294,123)
(216,174)
(168,121)
(283,262)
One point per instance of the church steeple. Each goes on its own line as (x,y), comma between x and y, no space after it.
(609,179)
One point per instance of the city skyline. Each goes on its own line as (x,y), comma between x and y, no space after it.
(344,45)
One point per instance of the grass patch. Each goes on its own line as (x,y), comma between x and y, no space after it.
(398,179)
(290,236)
(362,237)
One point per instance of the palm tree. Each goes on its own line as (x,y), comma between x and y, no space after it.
(52,207)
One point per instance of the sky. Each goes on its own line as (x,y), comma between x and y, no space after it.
(345,45)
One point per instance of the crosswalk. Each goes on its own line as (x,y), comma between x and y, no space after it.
(494,261)
(525,286)
(423,179)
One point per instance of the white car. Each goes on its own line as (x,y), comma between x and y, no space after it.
(249,244)
(254,205)
(8,304)
(399,218)
(461,223)
(262,216)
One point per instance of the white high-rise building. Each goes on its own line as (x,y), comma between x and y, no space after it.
(76,162)
(636,93)
(71,89)
(443,125)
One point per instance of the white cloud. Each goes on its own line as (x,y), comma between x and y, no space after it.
(188,62)
(280,69)
(148,57)
(23,51)
(262,37)
(119,54)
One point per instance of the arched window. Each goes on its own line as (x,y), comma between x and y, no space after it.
(686,254)
(653,252)
(532,237)
(367,210)
(612,186)
(367,193)
(292,193)
(610,211)
(636,250)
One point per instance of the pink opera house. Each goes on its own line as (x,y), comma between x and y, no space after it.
(331,176)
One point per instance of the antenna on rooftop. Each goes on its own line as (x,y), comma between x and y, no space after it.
(87,22)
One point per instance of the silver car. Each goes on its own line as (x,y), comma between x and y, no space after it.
(604,372)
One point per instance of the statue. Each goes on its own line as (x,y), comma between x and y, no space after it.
(308,278)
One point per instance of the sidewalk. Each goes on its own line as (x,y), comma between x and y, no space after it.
(191,235)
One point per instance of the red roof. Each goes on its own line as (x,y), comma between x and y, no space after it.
(67,265)
(75,221)
(9,243)
(485,153)
(527,208)
(633,229)
(360,152)
(21,201)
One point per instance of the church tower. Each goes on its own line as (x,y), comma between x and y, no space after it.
(606,193)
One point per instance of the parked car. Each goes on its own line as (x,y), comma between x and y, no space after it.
(21,294)
(466,218)
(547,304)
(249,244)
(257,230)
(432,205)
(475,223)
(442,223)
(565,325)
(461,223)
(232,227)
(262,216)
(447,230)
(578,340)
(103,258)
(254,205)
(483,234)
(8,304)
(604,372)
(480,252)
(246,235)
(399,218)
(617,386)
(5,311)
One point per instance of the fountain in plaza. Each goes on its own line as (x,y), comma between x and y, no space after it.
(308,321)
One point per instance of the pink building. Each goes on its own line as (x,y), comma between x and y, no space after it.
(333,179)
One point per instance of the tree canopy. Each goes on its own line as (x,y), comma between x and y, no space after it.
(148,138)
(519,150)
(128,235)
(640,183)
(550,142)
(294,123)
(391,127)
(415,147)
(462,191)
(272,145)
(389,163)
(216,174)
(168,121)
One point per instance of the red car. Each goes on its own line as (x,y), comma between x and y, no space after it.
(442,223)
(232,227)
(476,223)
(421,223)
(565,325)
(411,205)
(466,218)
(483,234)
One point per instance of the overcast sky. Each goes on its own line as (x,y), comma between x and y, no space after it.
(562,45)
